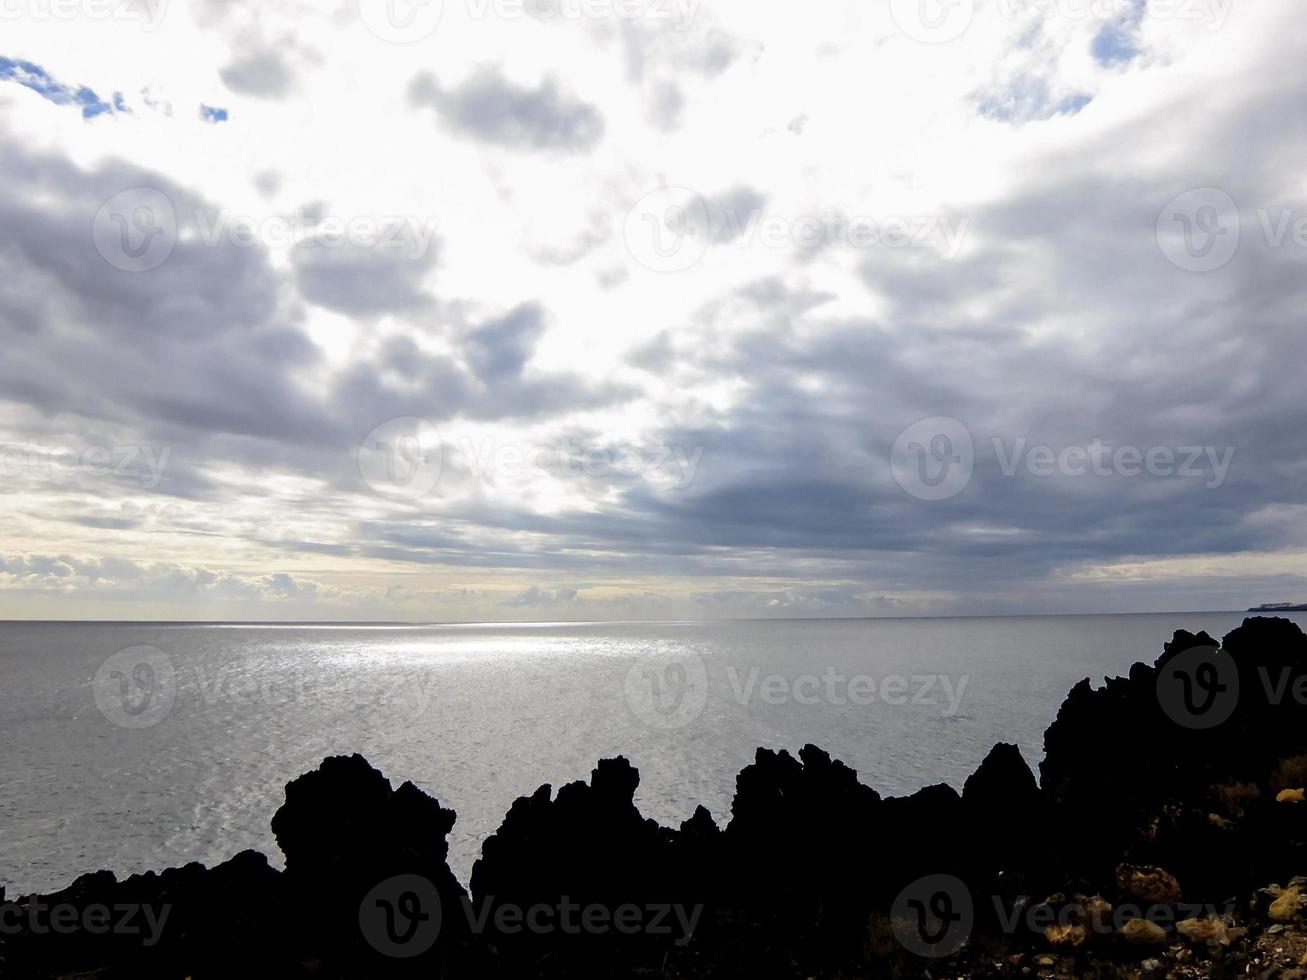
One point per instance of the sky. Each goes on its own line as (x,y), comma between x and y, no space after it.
(546,310)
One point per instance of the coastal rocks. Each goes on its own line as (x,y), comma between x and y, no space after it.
(1223,725)
(1285,907)
(366,863)
(812,874)
(1151,885)
(589,848)
(1209,930)
(205,922)
(1069,936)
(1142,932)
(1005,817)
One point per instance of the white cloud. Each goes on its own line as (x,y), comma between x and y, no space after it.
(786,333)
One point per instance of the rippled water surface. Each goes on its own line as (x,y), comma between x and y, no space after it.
(177,753)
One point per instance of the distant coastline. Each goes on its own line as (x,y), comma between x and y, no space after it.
(1279,607)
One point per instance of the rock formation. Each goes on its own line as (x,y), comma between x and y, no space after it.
(1165,799)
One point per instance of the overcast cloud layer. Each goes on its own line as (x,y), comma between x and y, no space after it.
(586,310)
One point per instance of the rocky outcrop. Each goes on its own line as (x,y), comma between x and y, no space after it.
(1166,798)
(584,853)
(226,920)
(353,847)
(1176,764)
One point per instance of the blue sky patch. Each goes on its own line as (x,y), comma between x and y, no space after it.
(39,80)
(211,114)
(1028,99)
(1116,43)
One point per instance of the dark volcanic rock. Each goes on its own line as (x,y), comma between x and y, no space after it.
(1157,788)
(1006,823)
(357,855)
(577,858)
(188,921)
(1175,764)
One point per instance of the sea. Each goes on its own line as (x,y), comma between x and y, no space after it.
(139,746)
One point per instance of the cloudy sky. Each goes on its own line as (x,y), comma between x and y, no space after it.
(596,309)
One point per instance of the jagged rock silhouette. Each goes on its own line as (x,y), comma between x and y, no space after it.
(799,882)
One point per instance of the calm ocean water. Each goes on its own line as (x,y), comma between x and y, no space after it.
(132,747)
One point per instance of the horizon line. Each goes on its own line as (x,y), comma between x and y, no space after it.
(357,623)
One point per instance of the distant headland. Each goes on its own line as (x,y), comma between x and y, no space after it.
(1278,607)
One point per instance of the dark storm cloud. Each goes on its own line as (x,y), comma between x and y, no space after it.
(488,107)
(206,355)
(364,280)
(198,341)
(1061,322)
(500,348)
(1105,339)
